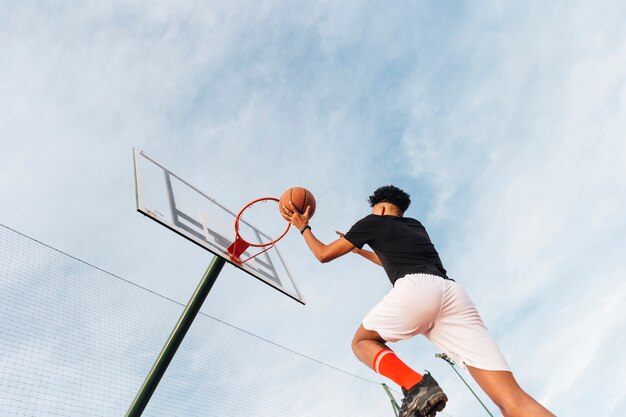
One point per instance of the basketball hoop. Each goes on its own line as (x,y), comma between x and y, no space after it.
(239,246)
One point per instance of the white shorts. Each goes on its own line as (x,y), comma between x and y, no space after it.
(441,310)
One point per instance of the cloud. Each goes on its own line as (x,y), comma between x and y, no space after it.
(527,167)
(505,121)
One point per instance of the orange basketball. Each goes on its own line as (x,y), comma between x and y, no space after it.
(300,197)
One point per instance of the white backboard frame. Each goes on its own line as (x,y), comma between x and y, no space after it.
(203,221)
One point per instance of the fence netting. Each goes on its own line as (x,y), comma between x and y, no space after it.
(78,341)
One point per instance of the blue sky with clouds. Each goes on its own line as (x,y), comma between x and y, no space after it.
(505,121)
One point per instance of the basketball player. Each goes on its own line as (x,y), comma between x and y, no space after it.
(423,300)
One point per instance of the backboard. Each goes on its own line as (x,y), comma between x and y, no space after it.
(174,203)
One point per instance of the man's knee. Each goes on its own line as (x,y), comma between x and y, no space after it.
(362,338)
(355,343)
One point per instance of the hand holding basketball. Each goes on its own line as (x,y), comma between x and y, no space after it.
(297,206)
(300,197)
(294,217)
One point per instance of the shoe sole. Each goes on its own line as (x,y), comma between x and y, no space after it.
(434,404)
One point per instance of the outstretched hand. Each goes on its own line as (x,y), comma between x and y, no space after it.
(299,220)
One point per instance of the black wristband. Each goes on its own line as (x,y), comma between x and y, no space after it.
(306,226)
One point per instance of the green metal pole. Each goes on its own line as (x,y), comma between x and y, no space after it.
(394,404)
(176,337)
(447,359)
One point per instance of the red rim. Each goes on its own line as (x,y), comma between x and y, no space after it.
(258,245)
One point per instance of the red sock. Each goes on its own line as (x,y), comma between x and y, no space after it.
(388,364)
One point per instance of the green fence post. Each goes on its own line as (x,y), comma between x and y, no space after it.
(176,337)
(447,359)
(394,404)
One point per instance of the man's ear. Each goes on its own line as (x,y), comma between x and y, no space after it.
(382,211)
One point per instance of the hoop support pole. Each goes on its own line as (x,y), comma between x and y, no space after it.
(176,337)
(394,404)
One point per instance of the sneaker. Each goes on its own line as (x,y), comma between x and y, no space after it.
(423,399)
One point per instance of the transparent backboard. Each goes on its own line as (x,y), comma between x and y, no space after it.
(174,203)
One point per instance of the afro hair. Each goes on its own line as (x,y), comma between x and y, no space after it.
(391,194)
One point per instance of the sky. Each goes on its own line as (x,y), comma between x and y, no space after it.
(504,121)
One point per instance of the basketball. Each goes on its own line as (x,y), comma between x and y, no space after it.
(300,197)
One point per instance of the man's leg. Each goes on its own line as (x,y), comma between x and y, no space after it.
(366,344)
(371,349)
(422,394)
(506,393)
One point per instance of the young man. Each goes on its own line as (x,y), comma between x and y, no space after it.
(423,300)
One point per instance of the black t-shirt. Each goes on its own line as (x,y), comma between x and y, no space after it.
(401,243)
